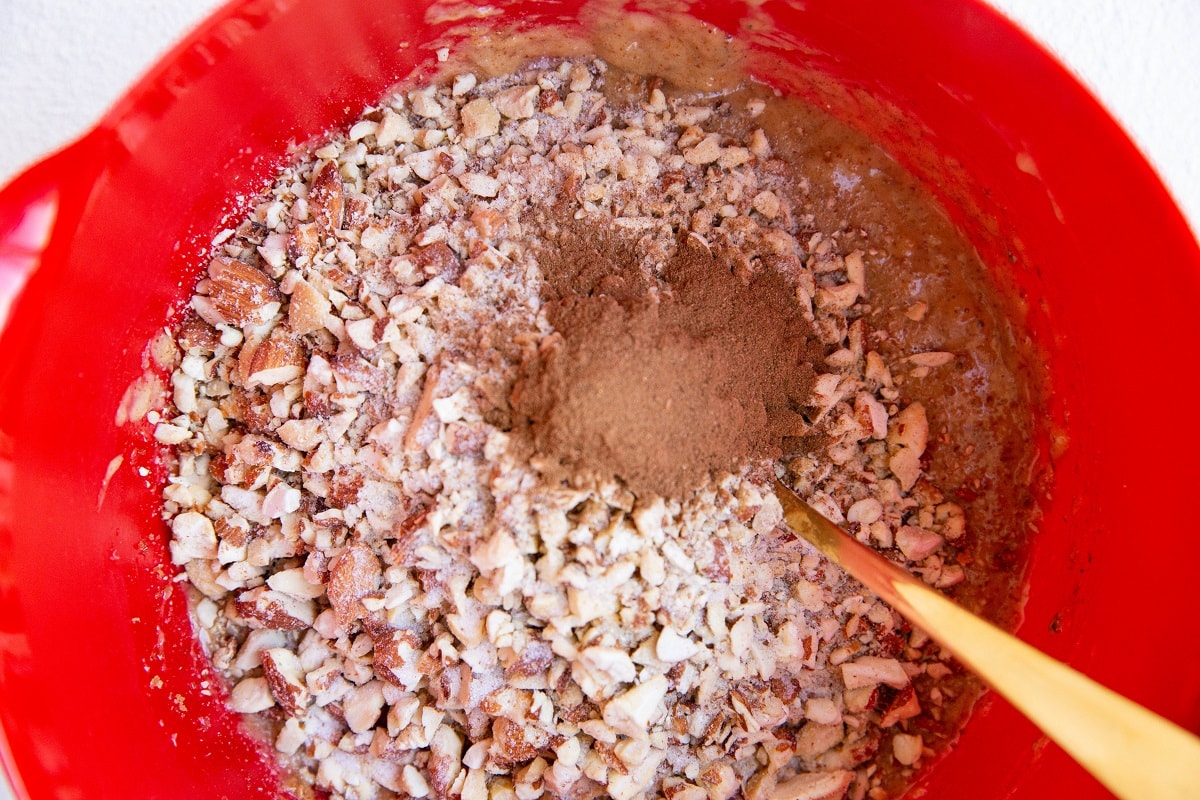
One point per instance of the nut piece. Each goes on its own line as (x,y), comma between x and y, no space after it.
(631,711)
(814,786)
(393,128)
(279,359)
(823,711)
(905,464)
(908,436)
(719,781)
(363,705)
(238,294)
(706,151)
(325,198)
(917,543)
(294,582)
(930,359)
(276,610)
(413,782)
(479,185)
(605,667)
(907,748)
(282,499)
(872,670)
(192,536)
(519,102)
(903,706)
(672,648)
(480,119)
(870,413)
(250,696)
(837,298)
(587,605)
(509,745)
(353,574)
(396,658)
(301,434)
(815,739)
(307,310)
(285,678)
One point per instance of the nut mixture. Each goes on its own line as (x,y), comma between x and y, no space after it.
(405,600)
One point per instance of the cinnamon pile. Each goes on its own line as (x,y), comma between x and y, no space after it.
(660,380)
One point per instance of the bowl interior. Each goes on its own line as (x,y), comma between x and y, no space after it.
(103,692)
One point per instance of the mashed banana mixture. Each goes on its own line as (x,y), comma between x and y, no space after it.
(474,423)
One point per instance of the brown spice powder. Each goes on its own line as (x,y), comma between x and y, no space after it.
(660,381)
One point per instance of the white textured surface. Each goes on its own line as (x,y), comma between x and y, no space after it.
(1141,59)
(62,64)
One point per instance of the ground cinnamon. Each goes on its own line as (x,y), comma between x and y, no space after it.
(661,379)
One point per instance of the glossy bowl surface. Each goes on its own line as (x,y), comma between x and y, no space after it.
(103,692)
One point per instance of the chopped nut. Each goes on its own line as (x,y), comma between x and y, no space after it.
(916,543)
(413,782)
(285,678)
(353,575)
(509,744)
(871,670)
(480,119)
(815,739)
(588,606)
(480,185)
(276,610)
(363,705)
(838,298)
(932,359)
(904,706)
(672,648)
(814,786)
(302,434)
(607,666)
(325,198)
(907,748)
(282,499)
(719,781)
(250,696)
(193,536)
(910,429)
(518,102)
(171,434)
(631,711)
(424,105)
(291,737)
(822,711)
(307,309)
(767,204)
(295,583)
(238,294)
(706,151)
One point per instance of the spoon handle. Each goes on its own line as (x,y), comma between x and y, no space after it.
(1137,754)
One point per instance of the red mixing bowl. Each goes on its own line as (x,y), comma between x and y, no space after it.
(104,693)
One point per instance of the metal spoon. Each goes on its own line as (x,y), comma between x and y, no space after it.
(1137,754)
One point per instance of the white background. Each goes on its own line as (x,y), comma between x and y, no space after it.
(63,63)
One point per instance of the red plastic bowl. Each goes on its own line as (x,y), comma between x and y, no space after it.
(103,693)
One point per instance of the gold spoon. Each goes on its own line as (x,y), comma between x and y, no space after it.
(1137,754)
